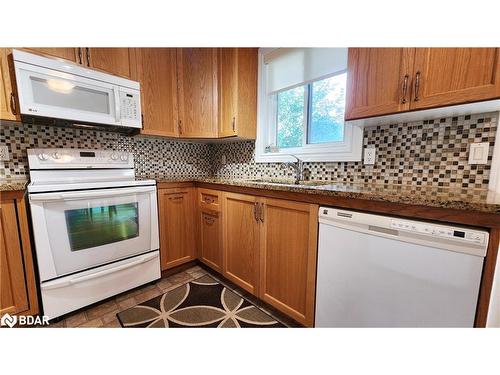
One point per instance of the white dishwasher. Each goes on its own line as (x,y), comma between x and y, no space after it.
(379,271)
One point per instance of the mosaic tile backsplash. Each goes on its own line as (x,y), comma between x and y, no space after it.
(154,156)
(425,153)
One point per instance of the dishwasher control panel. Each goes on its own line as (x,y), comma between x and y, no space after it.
(440,231)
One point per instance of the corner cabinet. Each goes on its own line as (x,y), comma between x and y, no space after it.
(384,81)
(177,226)
(197,92)
(17,279)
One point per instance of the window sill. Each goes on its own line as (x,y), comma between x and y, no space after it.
(282,157)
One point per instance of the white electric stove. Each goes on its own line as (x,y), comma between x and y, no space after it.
(95,226)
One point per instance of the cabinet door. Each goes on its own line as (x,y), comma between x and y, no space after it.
(155,69)
(72,54)
(238,92)
(13,295)
(228,83)
(455,75)
(197,85)
(8,101)
(112,60)
(378,81)
(211,239)
(177,226)
(288,257)
(241,241)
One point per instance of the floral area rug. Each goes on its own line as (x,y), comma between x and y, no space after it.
(203,302)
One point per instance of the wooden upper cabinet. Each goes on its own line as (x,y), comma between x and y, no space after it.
(378,81)
(9,108)
(238,92)
(71,53)
(197,90)
(155,69)
(288,257)
(112,60)
(177,226)
(445,76)
(241,241)
(13,294)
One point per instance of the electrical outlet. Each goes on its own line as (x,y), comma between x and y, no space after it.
(478,153)
(369,156)
(223,159)
(4,153)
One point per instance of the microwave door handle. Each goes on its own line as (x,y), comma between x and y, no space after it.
(117,104)
(88,194)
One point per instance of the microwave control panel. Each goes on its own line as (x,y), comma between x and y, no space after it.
(130,106)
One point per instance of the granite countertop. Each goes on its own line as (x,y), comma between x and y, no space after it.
(13,184)
(479,200)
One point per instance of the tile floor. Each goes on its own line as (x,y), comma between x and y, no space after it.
(104,314)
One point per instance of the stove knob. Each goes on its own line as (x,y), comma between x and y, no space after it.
(55,155)
(114,156)
(124,157)
(43,156)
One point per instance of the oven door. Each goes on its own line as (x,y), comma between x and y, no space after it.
(78,230)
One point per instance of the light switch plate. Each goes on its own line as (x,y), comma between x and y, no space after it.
(4,153)
(369,156)
(478,153)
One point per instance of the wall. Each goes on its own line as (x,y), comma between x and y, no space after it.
(154,156)
(425,153)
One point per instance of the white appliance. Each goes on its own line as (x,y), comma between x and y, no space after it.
(378,271)
(95,226)
(55,91)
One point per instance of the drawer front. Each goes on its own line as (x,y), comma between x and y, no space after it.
(209,199)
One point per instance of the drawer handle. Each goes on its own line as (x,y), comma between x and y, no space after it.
(209,200)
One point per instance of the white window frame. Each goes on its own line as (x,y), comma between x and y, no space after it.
(348,150)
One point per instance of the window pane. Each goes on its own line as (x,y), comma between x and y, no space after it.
(290,127)
(96,226)
(327,110)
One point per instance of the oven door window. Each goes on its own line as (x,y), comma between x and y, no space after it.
(97,226)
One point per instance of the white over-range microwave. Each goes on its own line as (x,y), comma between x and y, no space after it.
(55,91)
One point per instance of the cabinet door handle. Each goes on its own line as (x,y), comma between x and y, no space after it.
(255,211)
(405,88)
(209,219)
(79,55)
(88,56)
(262,212)
(180,126)
(417,85)
(234,124)
(13,105)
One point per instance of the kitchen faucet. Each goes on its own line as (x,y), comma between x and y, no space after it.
(298,166)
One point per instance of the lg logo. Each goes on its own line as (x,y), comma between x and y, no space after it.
(8,320)
(12,320)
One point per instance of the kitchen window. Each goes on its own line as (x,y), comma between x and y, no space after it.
(302,93)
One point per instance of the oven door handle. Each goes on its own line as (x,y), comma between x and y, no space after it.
(95,275)
(88,194)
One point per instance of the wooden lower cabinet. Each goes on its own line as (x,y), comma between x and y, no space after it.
(211,239)
(288,257)
(177,226)
(17,280)
(241,231)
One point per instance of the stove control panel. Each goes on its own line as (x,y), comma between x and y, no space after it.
(64,158)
